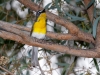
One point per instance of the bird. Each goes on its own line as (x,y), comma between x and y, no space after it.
(38,31)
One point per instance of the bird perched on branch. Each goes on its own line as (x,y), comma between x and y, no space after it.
(38,31)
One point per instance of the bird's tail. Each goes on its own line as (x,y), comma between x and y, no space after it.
(34,58)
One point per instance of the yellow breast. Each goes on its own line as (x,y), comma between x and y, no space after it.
(40,25)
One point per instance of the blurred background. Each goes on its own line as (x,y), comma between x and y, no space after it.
(15,56)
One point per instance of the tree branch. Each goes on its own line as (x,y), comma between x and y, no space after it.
(59,36)
(21,34)
(73,29)
(6,70)
(9,32)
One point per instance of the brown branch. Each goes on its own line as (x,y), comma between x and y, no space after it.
(21,34)
(18,35)
(41,43)
(90,10)
(6,70)
(73,29)
(98,38)
(59,36)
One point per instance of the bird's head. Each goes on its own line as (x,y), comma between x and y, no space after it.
(39,12)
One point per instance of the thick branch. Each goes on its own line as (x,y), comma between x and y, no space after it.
(21,36)
(59,36)
(73,29)
(40,43)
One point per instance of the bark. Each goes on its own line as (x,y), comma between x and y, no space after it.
(21,35)
(73,29)
(59,36)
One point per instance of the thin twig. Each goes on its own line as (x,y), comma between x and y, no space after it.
(40,4)
(6,70)
(41,69)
